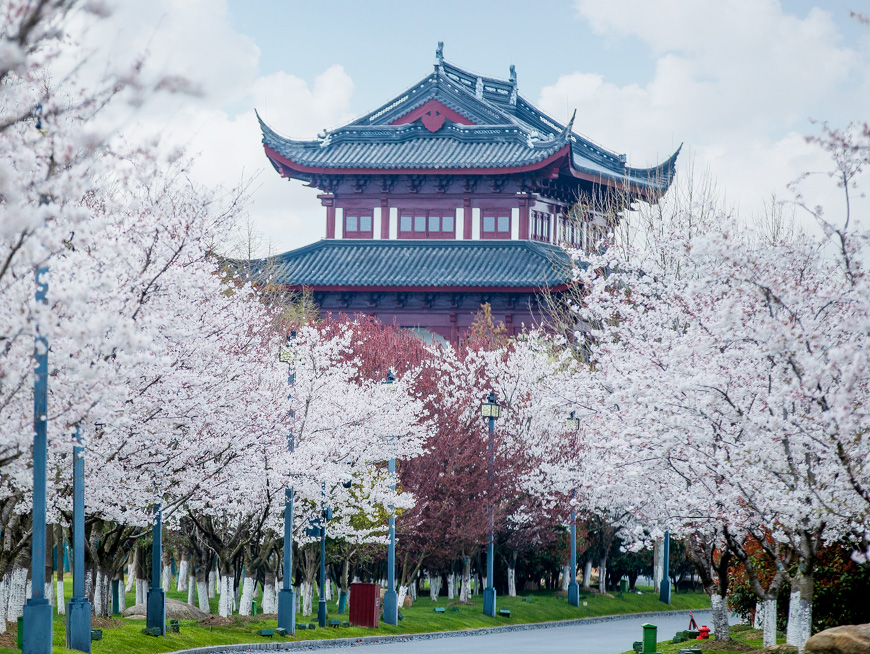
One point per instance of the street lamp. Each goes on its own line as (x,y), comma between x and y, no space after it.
(491,410)
(326,516)
(391,598)
(36,638)
(156,603)
(286,597)
(78,610)
(573,587)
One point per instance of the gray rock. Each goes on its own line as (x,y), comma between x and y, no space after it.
(175,610)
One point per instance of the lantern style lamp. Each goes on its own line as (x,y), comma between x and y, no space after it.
(573,422)
(391,598)
(491,410)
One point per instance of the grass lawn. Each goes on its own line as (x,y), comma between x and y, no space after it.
(745,639)
(123,635)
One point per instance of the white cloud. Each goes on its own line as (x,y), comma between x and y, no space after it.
(735,80)
(194,39)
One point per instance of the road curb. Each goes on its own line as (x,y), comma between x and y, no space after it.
(332,643)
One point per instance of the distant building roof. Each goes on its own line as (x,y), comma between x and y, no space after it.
(454,121)
(424,264)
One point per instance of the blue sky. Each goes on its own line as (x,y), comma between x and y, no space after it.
(736,80)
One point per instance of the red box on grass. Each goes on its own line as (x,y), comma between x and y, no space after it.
(365,605)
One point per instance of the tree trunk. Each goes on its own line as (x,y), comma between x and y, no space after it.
(191,588)
(269,605)
(307,597)
(122,597)
(587,573)
(61,598)
(211,585)
(566,577)
(131,570)
(4,602)
(202,589)
(225,605)
(451,584)
(465,588)
(658,564)
(769,623)
(792,630)
(403,592)
(602,574)
(181,582)
(247,594)
(434,586)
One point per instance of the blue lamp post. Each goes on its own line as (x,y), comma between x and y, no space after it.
(665,586)
(326,516)
(491,410)
(36,638)
(573,587)
(78,609)
(156,602)
(391,598)
(286,597)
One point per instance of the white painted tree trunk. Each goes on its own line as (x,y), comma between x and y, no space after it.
(17,594)
(183,576)
(434,586)
(403,593)
(298,600)
(60,598)
(28,594)
(202,595)
(269,604)
(328,590)
(139,593)
(475,587)
(465,589)
(412,591)
(587,573)
(769,623)
(122,599)
(225,606)
(719,609)
(4,602)
(212,582)
(131,574)
(98,595)
(166,579)
(190,584)
(792,629)
(307,596)
(451,585)
(602,575)
(48,592)
(566,577)
(512,581)
(806,624)
(758,621)
(658,564)
(247,596)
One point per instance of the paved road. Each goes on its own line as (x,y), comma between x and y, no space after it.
(610,637)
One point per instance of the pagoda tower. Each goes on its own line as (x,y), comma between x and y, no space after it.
(455,193)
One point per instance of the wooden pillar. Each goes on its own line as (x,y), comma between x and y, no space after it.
(466,229)
(385,218)
(328,201)
(454,330)
(525,200)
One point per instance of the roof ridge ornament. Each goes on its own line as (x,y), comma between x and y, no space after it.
(513,79)
(478,88)
(566,133)
(439,56)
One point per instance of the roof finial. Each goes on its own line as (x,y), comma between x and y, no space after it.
(513,98)
(513,75)
(439,53)
(566,133)
(478,88)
